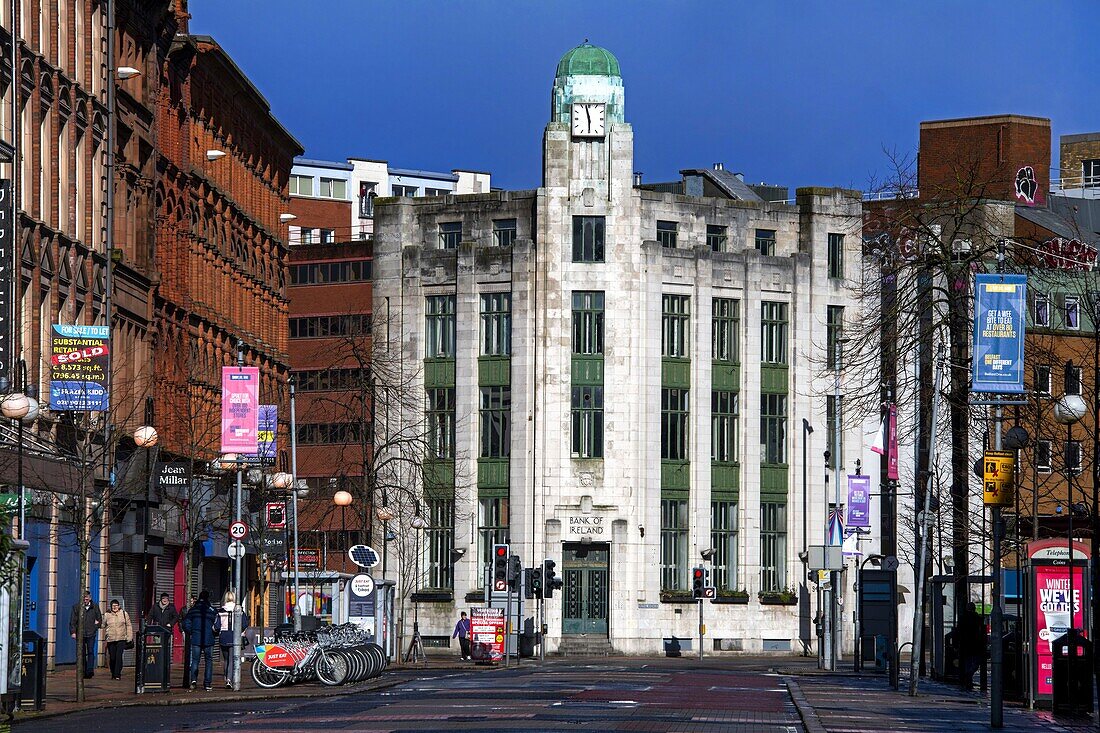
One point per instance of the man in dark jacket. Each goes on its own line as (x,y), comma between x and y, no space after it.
(164,613)
(200,623)
(93,619)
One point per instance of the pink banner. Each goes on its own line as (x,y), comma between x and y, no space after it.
(240,409)
(892,444)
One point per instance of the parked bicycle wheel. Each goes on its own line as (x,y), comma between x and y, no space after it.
(268,677)
(380,658)
(332,668)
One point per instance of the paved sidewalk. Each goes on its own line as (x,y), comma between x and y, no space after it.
(102,692)
(842,701)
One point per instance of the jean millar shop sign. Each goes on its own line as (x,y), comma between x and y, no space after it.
(595,527)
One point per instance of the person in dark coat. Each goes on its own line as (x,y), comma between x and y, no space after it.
(227,634)
(93,619)
(200,625)
(971,645)
(164,613)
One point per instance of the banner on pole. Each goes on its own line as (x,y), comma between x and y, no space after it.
(240,409)
(78,367)
(892,443)
(999,309)
(859,503)
(267,428)
(7,275)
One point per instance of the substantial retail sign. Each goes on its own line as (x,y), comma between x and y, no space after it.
(78,367)
(859,504)
(487,634)
(593,526)
(240,409)
(998,477)
(1059,601)
(999,302)
(7,280)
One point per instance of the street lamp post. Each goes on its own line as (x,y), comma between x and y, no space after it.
(804,596)
(284,481)
(384,515)
(343,500)
(419,524)
(146,438)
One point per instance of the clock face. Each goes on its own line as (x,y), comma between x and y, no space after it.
(588,119)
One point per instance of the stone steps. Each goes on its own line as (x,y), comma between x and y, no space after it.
(584,646)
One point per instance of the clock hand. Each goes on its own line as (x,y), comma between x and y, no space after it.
(588,114)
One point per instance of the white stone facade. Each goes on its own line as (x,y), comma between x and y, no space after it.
(547,484)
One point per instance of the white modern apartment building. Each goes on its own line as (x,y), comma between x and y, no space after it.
(615,376)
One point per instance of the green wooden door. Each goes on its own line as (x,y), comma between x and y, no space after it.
(586,589)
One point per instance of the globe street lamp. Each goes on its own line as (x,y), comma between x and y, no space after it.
(145,437)
(343,500)
(1069,409)
(416,649)
(283,481)
(384,515)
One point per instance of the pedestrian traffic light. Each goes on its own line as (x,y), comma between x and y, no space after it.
(500,568)
(515,571)
(534,582)
(698,581)
(550,579)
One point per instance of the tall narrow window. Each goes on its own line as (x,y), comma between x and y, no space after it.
(1071,383)
(496,324)
(587,422)
(666,233)
(773,333)
(588,238)
(836,255)
(773,546)
(439,331)
(496,411)
(1043,380)
(773,428)
(716,238)
(1073,313)
(492,525)
(440,541)
(1073,456)
(834,330)
(674,424)
(1090,173)
(833,434)
(765,242)
(723,538)
(726,329)
(1042,310)
(1042,456)
(674,541)
(440,414)
(450,234)
(587,322)
(723,426)
(504,232)
(675,311)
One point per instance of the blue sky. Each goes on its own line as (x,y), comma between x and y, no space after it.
(795,93)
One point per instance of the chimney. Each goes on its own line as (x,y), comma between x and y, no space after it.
(637,178)
(718,166)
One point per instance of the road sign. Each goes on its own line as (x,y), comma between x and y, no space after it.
(11,500)
(235,550)
(276,514)
(998,477)
(238,530)
(710,592)
(890,563)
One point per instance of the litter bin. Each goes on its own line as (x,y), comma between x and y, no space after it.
(33,685)
(1072,674)
(527,644)
(156,648)
(672,647)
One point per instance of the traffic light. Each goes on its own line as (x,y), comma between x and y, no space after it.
(515,570)
(534,582)
(698,581)
(550,579)
(500,568)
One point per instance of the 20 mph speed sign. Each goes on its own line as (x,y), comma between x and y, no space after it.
(238,530)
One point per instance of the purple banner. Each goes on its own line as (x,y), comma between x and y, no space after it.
(859,502)
(268,425)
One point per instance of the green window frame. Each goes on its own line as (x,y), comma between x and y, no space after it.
(773,332)
(726,330)
(496,418)
(439,327)
(773,429)
(450,234)
(492,525)
(834,331)
(504,232)
(440,414)
(716,237)
(496,324)
(674,424)
(833,434)
(724,426)
(773,546)
(440,542)
(666,234)
(724,534)
(674,544)
(675,325)
(765,242)
(588,238)
(587,422)
(588,322)
(836,255)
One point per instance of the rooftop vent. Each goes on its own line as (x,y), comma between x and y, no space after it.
(637,178)
(718,166)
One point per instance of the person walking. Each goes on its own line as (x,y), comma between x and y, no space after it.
(200,623)
(118,633)
(93,619)
(191,601)
(164,613)
(972,645)
(462,633)
(227,632)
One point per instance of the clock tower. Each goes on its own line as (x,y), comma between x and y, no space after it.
(588,148)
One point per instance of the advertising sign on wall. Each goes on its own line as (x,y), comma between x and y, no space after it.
(240,409)
(999,302)
(487,634)
(78,367)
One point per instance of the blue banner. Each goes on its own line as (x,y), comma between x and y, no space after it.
(999,311)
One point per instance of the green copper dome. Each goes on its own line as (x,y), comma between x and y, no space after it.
(588,60)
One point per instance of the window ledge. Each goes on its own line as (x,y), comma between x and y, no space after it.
(433,596)
(731,600)
(475,596)
(677,597)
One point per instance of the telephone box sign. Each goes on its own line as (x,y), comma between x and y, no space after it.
(240,409)
(1059,601)
(487,634)
(999,333)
